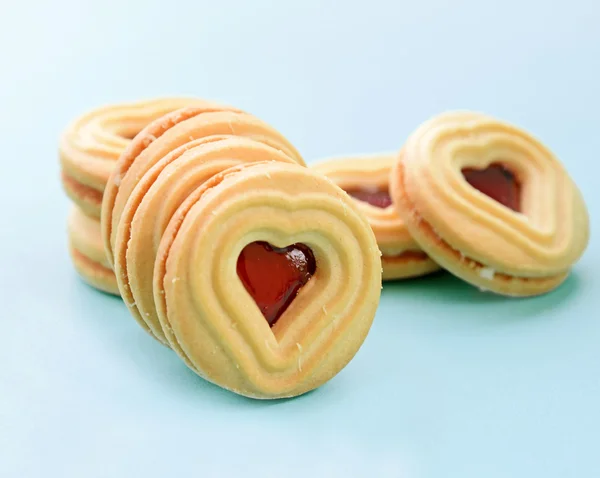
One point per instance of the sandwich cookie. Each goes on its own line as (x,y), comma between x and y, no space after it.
(267,279)
(490,203)
(92,143)
(366,178)
(87,252)
(153,202)
(168,133)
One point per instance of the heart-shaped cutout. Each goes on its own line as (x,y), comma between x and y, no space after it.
(497,182)
(273,276)
(377,197)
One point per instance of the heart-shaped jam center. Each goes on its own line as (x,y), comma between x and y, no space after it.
(273,276)
(497,182)
(375,196)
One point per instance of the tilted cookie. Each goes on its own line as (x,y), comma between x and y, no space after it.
(267,280)
(366,178)
(90,146)
(87,252)
(168,133)
(155,199)
(490,203)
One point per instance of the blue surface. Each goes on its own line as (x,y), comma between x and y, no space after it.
(450,382)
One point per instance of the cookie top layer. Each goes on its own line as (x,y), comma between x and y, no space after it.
(547,235)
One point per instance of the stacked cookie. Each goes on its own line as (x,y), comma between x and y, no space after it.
(264,275)
(89,148)
(213,224)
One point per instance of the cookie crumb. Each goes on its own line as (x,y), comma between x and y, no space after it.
(487,273)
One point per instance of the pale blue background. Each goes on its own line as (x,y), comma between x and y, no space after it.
(450,382)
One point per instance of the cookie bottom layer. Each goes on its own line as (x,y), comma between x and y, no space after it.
(88,199)
(93,273)
(87,252)
(460,265)
(407,265)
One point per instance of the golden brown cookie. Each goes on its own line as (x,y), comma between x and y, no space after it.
(490,203)
(87,252)
(92,143)
(366,178)
(167,134)
(155,199)
(267,279)
(88,199)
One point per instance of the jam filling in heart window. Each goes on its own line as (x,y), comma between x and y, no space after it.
(497,182)
(375,196)
(273,276)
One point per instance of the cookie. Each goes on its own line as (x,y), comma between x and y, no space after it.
(87,252)
(91,144)
(366,178)
(490,203)
(88,199)
(153,202)
(267,280)
(167,134)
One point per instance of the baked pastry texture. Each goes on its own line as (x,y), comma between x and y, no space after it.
(490,203)
(156,198)
(267,279)
(91,144)
(172,131)
(366,178)
(87,252)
